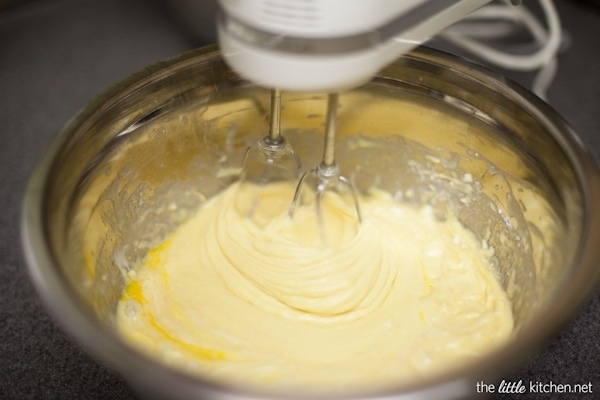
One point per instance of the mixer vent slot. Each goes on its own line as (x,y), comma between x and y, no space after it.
(297,13)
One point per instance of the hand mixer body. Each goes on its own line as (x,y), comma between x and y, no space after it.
(327,45)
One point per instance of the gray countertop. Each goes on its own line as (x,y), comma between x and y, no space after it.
(56,55)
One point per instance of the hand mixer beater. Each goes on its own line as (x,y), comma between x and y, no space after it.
(271,158)
(327,173)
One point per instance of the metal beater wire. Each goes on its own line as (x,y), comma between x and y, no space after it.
(327,172)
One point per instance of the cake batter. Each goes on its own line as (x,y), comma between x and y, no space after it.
(263,301)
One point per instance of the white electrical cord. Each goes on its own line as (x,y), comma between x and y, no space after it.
(499,21)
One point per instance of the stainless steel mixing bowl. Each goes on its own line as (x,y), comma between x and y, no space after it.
(431,128)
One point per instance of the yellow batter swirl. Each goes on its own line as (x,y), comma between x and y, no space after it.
(263,301)
(281,264)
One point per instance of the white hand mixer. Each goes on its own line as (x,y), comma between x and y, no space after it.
(327,46)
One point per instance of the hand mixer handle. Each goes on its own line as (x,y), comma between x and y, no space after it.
(327,45)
